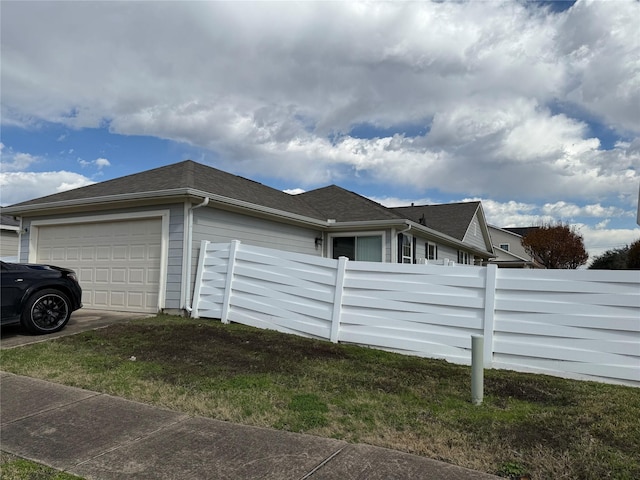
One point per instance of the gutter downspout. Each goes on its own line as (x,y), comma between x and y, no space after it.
(186,283)
(405,230)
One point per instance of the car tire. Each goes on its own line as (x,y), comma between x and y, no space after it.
(46,311)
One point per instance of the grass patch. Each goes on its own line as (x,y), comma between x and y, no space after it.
(16,468)
(537,425)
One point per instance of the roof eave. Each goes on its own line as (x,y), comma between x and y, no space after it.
(19,210)
(235,204)
(176,193)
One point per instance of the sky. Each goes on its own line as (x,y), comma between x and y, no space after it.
(531,107)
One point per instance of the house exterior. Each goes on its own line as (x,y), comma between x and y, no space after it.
(9,233)
(449,225)
(135,240)
(507,245)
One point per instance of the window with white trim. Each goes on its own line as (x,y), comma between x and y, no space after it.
(406,248)
(463,258)
(366,248)
(504,246)
(431,251)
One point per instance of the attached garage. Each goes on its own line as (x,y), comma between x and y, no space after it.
(119,261)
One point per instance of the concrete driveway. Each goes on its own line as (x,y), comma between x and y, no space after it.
(81,320)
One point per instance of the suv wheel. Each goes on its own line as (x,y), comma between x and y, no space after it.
(46,311)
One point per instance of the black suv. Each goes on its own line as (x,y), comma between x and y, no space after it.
(40,297)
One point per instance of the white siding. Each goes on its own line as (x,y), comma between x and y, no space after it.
(499,236)
(474,235)
(8,243)
(221,226)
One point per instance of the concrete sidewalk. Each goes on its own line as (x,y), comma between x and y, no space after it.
(98,436)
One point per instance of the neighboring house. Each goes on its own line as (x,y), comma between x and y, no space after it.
(507,245)
(135,240)
(9,234)
(457,232)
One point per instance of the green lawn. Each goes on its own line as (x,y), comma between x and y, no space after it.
(15,468)
(528,424)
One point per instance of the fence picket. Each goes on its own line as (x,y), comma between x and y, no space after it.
(489,313)
(337,300)
(233,250)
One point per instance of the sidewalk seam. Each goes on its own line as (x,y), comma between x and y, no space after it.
(51,409)
(184,417)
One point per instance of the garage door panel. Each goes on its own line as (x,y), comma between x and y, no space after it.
(136,276)
(118,263)
(119,252)
(58,254)
(153,275)
(118,299)
(85,275)
(100,298)
(119,275)
(138,252)
(135,299)
(154,252)
(102,275)
(88,253)
(151,299)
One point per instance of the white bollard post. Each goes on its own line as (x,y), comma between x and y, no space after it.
(477,369)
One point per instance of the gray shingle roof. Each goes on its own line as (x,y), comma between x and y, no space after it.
(187,174)
(345,206)
(325,203)
(522,231)
(452,219)
(9,221)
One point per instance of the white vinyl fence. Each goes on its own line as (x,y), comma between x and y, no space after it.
(571,323)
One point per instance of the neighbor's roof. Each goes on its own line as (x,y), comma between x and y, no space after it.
(522,231)
(452,219)
(9,220)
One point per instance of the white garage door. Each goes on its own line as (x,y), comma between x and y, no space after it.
(118,263)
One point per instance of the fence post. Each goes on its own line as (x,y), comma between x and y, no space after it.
(489,312)
(233,249)
(477,370)
(204,244)
(337,299)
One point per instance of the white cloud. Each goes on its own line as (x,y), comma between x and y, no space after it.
(598,240)
(514,102)
(570,210)
(18,187)
(294,191)
(11,161)
(601,47)
(99,163)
